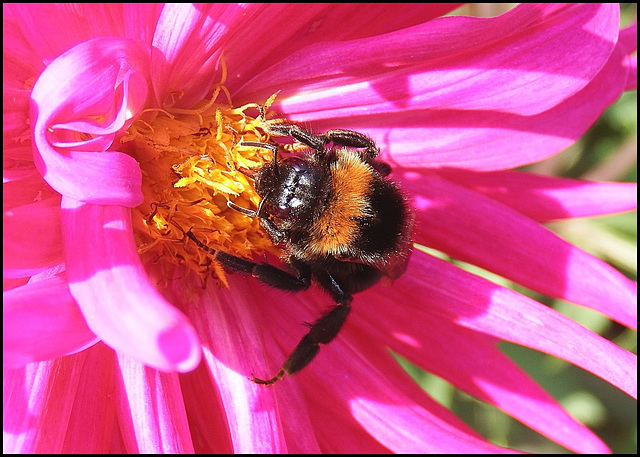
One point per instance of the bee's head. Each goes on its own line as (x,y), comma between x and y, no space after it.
(290,188)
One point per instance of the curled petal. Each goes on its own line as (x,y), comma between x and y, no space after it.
(117,298)
(79,103)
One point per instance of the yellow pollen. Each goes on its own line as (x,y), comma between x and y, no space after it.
(192,164)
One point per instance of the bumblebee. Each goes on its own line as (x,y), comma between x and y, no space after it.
(342,225)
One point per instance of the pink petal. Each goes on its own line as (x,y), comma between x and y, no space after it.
(140,20)
(121,305)
(512,48)
(32,239)
(73,128)
(629,37)
(631,64)
(495,379)
(92,420)
(207,418)
(39,25)
(150,410)
(23,185)
(233,348)
(486,139)
(629,41)
(315,23)
(545,198)
(421,325)
(33,35)
(37,402)
(481,231)
(375,414)
(187,44)
(19,64)
(15,115)
(41,321)
(438,100)
(500,312)
(349,394)
(17,160)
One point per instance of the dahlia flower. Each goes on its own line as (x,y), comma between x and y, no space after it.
(123,127)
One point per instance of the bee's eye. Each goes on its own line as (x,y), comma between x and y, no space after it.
(281,212)
(296,163)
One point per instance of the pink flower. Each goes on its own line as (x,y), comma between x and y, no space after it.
(102,350)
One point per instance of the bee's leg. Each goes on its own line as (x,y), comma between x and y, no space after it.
(268,274)
(354,140)
(316,142)
(255,144)
(322,331)
(340,137)
(359,141)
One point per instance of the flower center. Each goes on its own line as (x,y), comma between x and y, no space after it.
(192,164)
